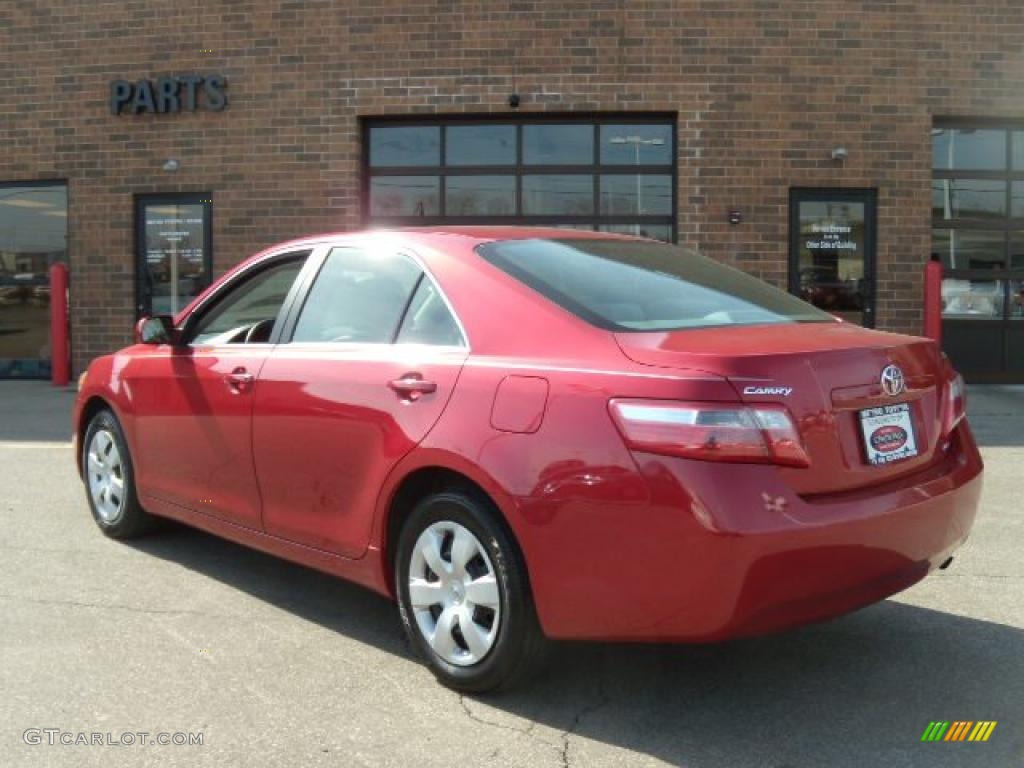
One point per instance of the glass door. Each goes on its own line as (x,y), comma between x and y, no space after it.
(173,251)
(978,235)
(832,251)
(33,235)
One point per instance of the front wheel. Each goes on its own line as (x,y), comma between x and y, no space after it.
(463,594)
(110,479)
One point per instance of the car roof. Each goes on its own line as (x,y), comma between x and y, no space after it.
(492,232)
(471,235)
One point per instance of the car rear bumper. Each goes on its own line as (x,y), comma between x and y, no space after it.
(720,551)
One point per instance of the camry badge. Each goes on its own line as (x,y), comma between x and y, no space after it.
(784,391)
(892,380)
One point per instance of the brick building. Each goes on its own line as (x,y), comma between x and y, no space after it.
(829,146)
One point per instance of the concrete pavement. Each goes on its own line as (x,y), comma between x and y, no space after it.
(278,665)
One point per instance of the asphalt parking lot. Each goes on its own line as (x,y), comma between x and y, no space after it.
(276,664)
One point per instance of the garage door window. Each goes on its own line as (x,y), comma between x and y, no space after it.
(607,174)
(978,235)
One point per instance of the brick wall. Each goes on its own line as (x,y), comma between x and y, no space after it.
(764,90)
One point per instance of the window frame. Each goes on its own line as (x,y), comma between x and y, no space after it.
(595,169)
(304,285)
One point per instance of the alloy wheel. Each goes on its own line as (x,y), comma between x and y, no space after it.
(106,476)
(453,590)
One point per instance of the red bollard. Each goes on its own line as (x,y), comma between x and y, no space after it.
(933,301)
(60,349)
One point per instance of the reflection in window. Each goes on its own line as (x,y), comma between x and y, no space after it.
(970,248)
(1017,199)
(1017,150)
(480,145)
(650,231)
(428,320)
(396,146)
(404,196)
(636,144)
(972,299)
(1016,308)
(558,195)
(1017,250)
(968,198)
(634,194)
(33,235)
(480,195)
(33,230)
(552,144)
(358,296)
(974,149)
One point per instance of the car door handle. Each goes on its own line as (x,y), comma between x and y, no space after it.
(239,379)
(412,386)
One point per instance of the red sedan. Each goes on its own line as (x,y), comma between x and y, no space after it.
(520,433)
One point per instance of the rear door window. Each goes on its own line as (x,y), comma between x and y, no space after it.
(359,296)
(638,285)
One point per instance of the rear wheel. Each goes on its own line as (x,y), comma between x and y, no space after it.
(463,594)
(110,479)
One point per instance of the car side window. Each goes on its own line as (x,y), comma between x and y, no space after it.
(248,312)
(428,319)
(358,296)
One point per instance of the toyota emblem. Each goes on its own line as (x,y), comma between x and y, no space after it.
(892,380)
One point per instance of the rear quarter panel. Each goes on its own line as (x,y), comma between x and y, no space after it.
(570,491)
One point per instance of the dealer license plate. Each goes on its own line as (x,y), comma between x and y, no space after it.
(888,433)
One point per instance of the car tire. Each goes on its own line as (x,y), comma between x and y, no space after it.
(109,479)
(466,651)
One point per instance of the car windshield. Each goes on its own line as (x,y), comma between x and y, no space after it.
(639,285)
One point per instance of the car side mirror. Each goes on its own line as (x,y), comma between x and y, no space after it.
(158,329)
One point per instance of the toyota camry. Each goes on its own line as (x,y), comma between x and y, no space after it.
(520,434)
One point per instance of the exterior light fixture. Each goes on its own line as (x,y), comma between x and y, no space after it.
(171,165)
(839,154)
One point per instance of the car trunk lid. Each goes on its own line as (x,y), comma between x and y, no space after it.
(825,374)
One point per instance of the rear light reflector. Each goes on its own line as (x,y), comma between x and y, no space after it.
(956,403)
(760,434)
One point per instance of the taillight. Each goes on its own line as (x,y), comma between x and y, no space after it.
(956,403)
(762,434)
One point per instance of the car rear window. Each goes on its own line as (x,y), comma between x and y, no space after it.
(640,285)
